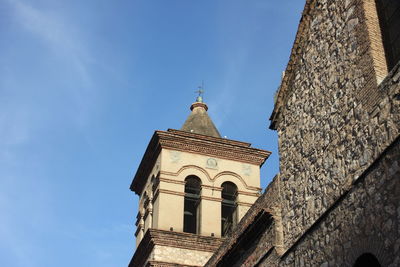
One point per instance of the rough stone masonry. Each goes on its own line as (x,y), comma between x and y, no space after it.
(337,115)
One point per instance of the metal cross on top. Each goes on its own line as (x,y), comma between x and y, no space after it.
(200,92)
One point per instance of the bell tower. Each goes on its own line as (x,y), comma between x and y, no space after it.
(193,186)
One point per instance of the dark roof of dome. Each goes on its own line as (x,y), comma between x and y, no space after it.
(199,122)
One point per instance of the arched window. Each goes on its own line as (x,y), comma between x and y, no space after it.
(367,259)
(389,20)
(228,207)
(191,205)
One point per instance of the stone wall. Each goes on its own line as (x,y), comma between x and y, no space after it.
(334,120)
(339,130)
(366,219)
(169,248)
(179,256)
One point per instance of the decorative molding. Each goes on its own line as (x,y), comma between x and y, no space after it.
(244,204)
(185,167)
(194,143)
(229,173)
(158,237)
(229,153)
(212,180)
(209,138)
(249,193)
(212,163)
(216,188)
(184,240)
(171,181)
(216,199)
(199,104)
(171,192)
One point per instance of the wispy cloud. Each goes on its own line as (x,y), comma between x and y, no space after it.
(28,111)
(234,59)
(225,100)
(56,33)
(66,48)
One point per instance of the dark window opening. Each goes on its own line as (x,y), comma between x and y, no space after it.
(228,208)
(248,242)
(191,205)
(389,20)
(367,260)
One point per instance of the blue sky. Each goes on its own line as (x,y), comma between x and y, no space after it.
(83,86)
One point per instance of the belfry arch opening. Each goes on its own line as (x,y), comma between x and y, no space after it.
(228,207)
(367,259)
(191,205)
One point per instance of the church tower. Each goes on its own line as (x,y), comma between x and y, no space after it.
(194,186)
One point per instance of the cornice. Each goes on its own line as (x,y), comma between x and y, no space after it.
(245,204)
(207,137)
(249,193)
(216,199)
(171,181)
(212,146)
(156,237)
(198,144)
(171,192)
(199,104)
(146,165)
(184,240)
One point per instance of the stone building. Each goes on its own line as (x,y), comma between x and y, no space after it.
(336,198)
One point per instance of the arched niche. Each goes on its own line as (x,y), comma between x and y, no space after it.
(367,259)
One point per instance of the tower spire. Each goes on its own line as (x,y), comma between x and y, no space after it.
(198,120)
